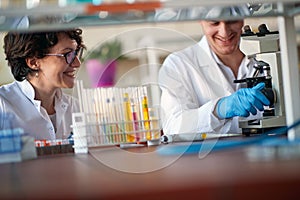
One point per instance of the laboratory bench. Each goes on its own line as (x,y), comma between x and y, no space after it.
(143,173)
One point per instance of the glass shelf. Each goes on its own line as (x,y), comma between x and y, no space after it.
(57,14)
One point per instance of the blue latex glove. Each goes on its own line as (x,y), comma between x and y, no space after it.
(242,102)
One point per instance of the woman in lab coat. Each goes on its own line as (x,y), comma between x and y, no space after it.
(198,93)
(42,63)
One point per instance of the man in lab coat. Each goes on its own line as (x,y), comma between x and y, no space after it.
(198,93)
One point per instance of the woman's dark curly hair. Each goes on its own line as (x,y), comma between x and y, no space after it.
(19,46)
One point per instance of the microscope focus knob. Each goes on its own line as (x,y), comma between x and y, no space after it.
(270,94)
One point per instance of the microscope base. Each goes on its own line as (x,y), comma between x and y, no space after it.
(255,131)
(260,126)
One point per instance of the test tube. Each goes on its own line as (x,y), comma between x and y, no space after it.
(115,116)
(128,118)
(111,115)
(135,120)
(155,123)
(146,117)
(100,114)
(121,120)
(104,117)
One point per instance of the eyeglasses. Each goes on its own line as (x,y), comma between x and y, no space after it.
(69,56)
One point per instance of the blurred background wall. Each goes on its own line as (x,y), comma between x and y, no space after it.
(166,37)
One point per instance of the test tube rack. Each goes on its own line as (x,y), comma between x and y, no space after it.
(113,116)
(51,147)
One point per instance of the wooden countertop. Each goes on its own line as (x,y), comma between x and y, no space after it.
(141,173)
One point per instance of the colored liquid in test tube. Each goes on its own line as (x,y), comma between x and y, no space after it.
(135,122)
(146,117)
(155,126)
(130,136)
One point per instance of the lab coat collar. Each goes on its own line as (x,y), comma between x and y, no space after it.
(243,70)
(27,89)
(244,66)
(62,104)
(61,108)
(205,47)
(245,61)
(215,68)
(59,101)
(29,92)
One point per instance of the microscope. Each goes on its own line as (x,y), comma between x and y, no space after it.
(262,48)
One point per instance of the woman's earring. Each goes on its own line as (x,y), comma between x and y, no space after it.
(37,74)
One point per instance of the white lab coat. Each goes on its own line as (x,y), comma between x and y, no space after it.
(192,82)
(17,98)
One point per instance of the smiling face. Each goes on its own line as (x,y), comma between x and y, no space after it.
(54,71)
(223,36)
